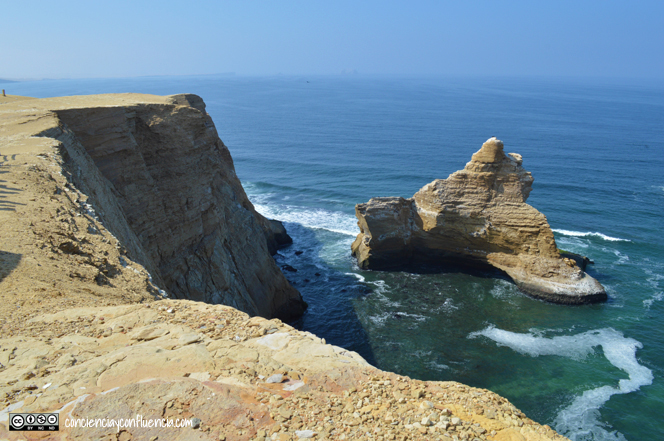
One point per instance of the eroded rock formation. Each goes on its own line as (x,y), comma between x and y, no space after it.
(164,183)
(84,332)
(476,216)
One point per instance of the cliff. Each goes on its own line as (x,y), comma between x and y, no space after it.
(87,332)
(162,181)
(477,216)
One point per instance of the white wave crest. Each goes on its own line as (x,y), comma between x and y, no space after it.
(437,366)
(335,221)
(581,419)
(382,318)
(584,234)
(655,298)
(359,276)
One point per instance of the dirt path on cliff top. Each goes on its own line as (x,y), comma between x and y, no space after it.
(54,253)
(12,98)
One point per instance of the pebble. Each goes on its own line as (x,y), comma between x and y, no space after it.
(195,423)
(305,433)
(188,338)
(276,378)
(426,405)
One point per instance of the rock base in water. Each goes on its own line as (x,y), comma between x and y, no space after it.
(477,216)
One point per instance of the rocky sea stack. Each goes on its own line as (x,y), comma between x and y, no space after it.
(478,216)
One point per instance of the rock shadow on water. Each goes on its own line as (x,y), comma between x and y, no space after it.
(329,293)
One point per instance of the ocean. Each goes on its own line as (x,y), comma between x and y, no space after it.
(307,149)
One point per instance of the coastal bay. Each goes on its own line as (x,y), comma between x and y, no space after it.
(306,153)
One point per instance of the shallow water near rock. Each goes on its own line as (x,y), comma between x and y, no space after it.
(307,152)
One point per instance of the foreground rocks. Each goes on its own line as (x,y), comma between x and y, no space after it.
(241,378)
(478,217)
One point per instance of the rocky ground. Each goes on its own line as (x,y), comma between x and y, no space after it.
(241,378)
(86,333)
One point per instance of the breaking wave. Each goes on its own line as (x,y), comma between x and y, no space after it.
(319,218)
(581,419)
(584,234)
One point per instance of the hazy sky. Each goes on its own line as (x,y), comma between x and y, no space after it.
(56,39)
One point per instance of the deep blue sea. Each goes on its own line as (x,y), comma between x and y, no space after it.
(307,149)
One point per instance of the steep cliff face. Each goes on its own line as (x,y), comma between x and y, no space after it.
(477,215)
(185,215)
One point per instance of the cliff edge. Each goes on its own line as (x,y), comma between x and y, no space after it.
(87,332)
(477,216)
(154,172)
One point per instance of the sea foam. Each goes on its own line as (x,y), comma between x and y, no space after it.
(335,221)
(581,419)
(589,233)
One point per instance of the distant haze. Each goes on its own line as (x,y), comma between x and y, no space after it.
(75,39)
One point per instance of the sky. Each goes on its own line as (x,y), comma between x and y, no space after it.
(87,39)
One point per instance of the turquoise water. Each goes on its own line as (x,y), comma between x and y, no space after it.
(308,149)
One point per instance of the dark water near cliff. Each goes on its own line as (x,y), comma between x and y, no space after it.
(308,149)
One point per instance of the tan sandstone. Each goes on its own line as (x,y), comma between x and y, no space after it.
(157,174)
(86,331)
(219,375)
(477,216)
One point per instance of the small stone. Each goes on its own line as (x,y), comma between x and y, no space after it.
(479,430)
(455,421)
(443,425)
(305,433)
(419,393)
(426,421)
(276,378)
(195,423)
(189,338)
(426,405)
(291,386)
(154,438)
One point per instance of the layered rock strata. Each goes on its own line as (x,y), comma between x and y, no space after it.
(162,181)
(85,332)
(477,216)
